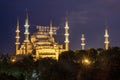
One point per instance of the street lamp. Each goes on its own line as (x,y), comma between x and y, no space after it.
(13,59)
(86,61)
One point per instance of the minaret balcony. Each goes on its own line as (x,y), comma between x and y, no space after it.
(26,25)
(17,37)
(106,35)
(26,33)
(82,44)
(66,27)
(106,42)
(66,34)
(82,39)
(66,41)
(17,43)
(26,40)
(18,31)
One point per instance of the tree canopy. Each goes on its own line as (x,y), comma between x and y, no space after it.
(91,64)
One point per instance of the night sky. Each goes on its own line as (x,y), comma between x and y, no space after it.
(88,16)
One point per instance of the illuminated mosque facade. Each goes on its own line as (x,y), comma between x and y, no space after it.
(42,43)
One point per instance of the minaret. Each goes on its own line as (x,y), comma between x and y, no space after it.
(26,29)
(106,39)
(17,43)
(83,41)
(51,31)
(26,33)
(66,35)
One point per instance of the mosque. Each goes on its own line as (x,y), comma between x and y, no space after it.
(42,43)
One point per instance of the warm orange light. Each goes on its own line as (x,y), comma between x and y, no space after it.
(86,61)
(13,60)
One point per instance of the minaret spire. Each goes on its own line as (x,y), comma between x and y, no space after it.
(26,33)
(83,41)
(66,34)
(17,43)
(51,30)
(106,38)
(26,28)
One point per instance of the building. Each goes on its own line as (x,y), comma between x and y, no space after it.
(42,43)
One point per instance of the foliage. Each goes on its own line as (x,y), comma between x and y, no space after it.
(104,65)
